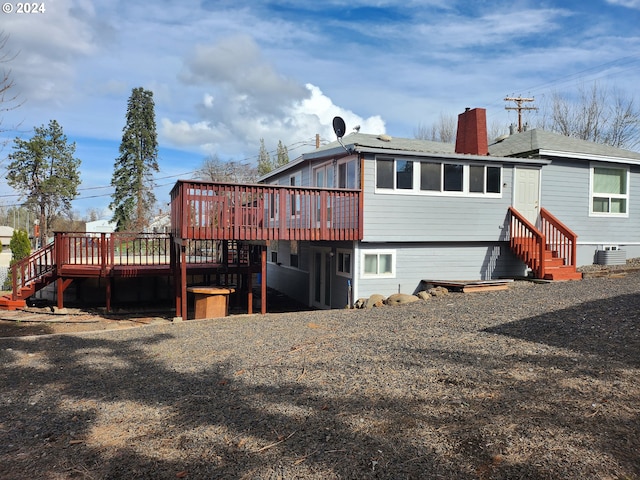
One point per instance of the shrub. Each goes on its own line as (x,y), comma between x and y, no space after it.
(20,248)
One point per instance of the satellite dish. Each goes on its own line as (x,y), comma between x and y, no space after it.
(339,127)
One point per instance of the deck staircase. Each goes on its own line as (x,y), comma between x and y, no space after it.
(30,274)
(549,251)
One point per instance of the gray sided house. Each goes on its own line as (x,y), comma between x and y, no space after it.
(594,189)
(469,211)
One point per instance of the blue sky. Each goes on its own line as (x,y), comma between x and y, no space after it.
(227,73)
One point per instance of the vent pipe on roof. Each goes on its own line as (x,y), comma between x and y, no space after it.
(472,132)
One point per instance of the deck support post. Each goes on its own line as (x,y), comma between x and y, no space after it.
(109,288)
(249,291)
(183,281)
(263,281)
(61,286)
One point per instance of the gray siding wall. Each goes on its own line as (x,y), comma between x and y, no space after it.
(432,218)
(439,261)
(296,282)
(566,194)
(291,281)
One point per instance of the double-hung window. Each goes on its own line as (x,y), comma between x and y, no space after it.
(609,191)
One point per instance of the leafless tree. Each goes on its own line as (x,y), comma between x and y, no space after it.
(444,130)
(8,99)
(596,114)
(215,170)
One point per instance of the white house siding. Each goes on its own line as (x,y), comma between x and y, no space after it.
(391,217)
(438,261)
(566,194)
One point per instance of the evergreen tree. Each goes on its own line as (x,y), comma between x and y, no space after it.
(45,170)
(20,248)
(283,155)
(133,199)
(265,165)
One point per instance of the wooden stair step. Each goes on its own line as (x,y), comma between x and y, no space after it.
(6,303)
(554,262)
(564,273)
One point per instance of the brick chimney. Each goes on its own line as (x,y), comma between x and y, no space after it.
(472,132)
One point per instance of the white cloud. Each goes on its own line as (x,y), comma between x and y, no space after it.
(47,45)
(299,121)
(247,99)
(626,3)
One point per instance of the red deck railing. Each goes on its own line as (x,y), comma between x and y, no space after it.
(96,251)
(527,242)
(227,211)
(559,238)
(108,249)
(530,243)
(31,268)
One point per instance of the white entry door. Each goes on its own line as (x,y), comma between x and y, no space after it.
(321,279)
(527,192)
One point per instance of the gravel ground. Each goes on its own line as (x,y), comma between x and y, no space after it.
(537,381)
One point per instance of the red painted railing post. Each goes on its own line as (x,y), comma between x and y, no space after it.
(103,253)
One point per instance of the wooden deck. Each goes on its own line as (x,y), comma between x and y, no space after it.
(215,227)
(228,211)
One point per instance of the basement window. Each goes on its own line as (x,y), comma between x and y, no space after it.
(378,263)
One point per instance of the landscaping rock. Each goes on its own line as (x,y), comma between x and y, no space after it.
(438,291)
(375,300)
(423,295)
(401,298)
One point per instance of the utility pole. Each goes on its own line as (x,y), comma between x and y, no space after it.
(519,101)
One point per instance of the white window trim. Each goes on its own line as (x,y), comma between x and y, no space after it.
(350,253)
(364,253)
(416,181)
(626,196)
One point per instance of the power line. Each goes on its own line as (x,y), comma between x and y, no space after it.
(519,101)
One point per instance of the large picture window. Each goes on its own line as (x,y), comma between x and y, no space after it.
(609,191)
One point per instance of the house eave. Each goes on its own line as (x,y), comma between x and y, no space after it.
(591,157)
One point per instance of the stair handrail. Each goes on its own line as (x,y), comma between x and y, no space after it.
(32,267)
(559,237)
(527,241)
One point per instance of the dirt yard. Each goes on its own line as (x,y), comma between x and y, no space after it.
(540,381)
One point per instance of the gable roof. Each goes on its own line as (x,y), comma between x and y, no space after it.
(362,141)
(541,142)
(387,145)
